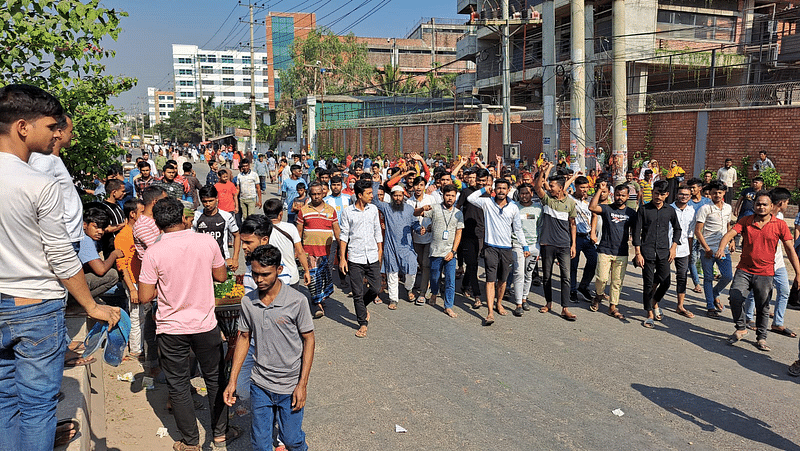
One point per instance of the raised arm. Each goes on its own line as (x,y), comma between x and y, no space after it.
(602,191)
(544,169)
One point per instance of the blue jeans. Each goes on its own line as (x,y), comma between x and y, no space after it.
(782,286)
(32,348)
(243,382)
(437,266)
(693,257)
(266,405)
(709,290)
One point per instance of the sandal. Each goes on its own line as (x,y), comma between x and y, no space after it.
(488,321)
(180,446)
(648,323)
(362,333)
(66,431)
(752,325)
(736,337)
(783,331)
(697,289)
(78,361)
(477,304)
(392,306)
(761,345)
(615,313)
(658,314)
(595,305)
(544,309)
(569,316)
(232,434)
(712,314)
(718,305)
(685,313)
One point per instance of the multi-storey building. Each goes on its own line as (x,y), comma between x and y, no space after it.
(224,74)
(159,104)
(282,30)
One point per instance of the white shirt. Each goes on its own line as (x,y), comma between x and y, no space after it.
(779,262)
(73,208)
(362,231)
(500,223)
(247,184)
(286,247)
(35,249)
(583,217)
(727,176)
(686,220)
(715,223)
(427,199)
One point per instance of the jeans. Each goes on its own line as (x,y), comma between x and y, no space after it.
(610,267)
(693,258)
(549,256)
(243,382)
(135,311)
(364,294)
(656,280)
(423,266)
(147,315)
(781,283)
(583,245)
(262,181)
(438,265)
(393,284)
(709,290)
(32,348)
(207,347)
(761,286)
(266,407)
(523,274)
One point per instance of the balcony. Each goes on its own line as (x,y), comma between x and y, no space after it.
(465,82)
(467,46)
(464,6)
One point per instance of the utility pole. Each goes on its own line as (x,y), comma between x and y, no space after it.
(506,77)
(620,90)
(252,88)
(577,104)
(202,100)
(550,119)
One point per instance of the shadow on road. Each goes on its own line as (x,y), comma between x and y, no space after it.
(710,415)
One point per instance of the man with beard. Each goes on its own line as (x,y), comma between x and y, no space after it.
(399,257)
(501,217)
(318,227)
(168,183)
(472,237)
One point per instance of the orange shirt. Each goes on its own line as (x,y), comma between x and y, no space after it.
(131,262)
(227,196)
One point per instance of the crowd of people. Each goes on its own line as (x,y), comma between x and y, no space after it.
(365,225)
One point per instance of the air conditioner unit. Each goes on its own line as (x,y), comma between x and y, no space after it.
(511,151)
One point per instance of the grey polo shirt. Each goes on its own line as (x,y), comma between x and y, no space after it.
(275,329)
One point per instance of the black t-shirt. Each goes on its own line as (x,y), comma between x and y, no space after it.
(748,200)
(116,216)
(617,225)
(218,226)
(473,216)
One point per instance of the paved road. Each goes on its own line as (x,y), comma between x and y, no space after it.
(535,382)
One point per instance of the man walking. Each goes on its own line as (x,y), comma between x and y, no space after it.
(530,214)
(557,241)
(185,319)
(361,241)
(289,190)
(583,242)
(33,282)
(249,186)
(686,215)
(654,253)
(696,201)
(618,221)
(712,222)
(422,243)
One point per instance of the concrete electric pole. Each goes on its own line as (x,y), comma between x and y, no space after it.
(577,104)
(550,119)
(202,100)
(252,88)
(620,93)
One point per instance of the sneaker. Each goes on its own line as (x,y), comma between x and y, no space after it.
(518,311)
(794,369)
(587,293)
(573,297)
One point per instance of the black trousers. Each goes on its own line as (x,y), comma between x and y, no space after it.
(207,347)
(656,277)
(363,293)
(470,249)
(549,255)
(681,269)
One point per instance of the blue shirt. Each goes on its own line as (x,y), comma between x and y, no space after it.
(697,205)
(289,187)
(88,250)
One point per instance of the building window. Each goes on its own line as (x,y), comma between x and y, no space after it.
(212,58)
(227,59)
(162,113)
(265,83)
(162,97)
(184,72)
(245,82)
(227,82)
(691,26)
(265,72)
(227,70)
(184,61)
(246,60)
(201,58)
(228,94)
(282,41)
(162,105)
(186,83)
(209,82)
(265,60)
(187,94)
(206,70)
(169,97)
(170,105)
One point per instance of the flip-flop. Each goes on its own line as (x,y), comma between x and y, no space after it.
(685,313)
(232,434)
(94,339)
(488,321)
(735,337)
(569,316)
(616,314)
(73,362)
(544,309)
(360,334)
(648,323)
(658,314)
(117,340)
(752,325)
(785,331)
(718,305)
(62,437)
(761,345)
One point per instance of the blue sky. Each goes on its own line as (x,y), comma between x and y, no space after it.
(144,47)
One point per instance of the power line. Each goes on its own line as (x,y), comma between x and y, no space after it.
(367,15)
(220,26)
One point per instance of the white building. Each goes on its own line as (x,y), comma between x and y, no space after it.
(225,74)
(159,104)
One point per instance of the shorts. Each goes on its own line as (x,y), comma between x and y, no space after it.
(498,263)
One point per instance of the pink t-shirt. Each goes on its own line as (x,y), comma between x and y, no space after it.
(180,264)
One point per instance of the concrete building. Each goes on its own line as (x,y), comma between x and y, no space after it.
(225,74)
(672,45)
(282,30)
(159,104)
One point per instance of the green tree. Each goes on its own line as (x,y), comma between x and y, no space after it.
(392,81)
(56,45)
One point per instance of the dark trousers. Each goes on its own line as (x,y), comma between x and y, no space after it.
(681,268)
(656,278)
(470,248)
(583,245)
(207,348)
(549,255)
(761,286)
(363,294)
(729,195)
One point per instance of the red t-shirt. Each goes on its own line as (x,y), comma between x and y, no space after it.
(759,244)
(317,229)
(227,195)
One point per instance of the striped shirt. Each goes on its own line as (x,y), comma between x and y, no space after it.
(555,221)
(145,233)
(317,228)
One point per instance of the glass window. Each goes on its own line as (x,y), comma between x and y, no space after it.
(187,94)
(208,82)
(184,72)
(227,82)
(162,105)
(206,69)
(246,82)
(186,83)
(212,58)
(184,61)
(227,70)
(169,97)
(265,72)
(162,97)
(245,60)
(201,58)
(229,94)
(264,60)
(227,59)
(170,105)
